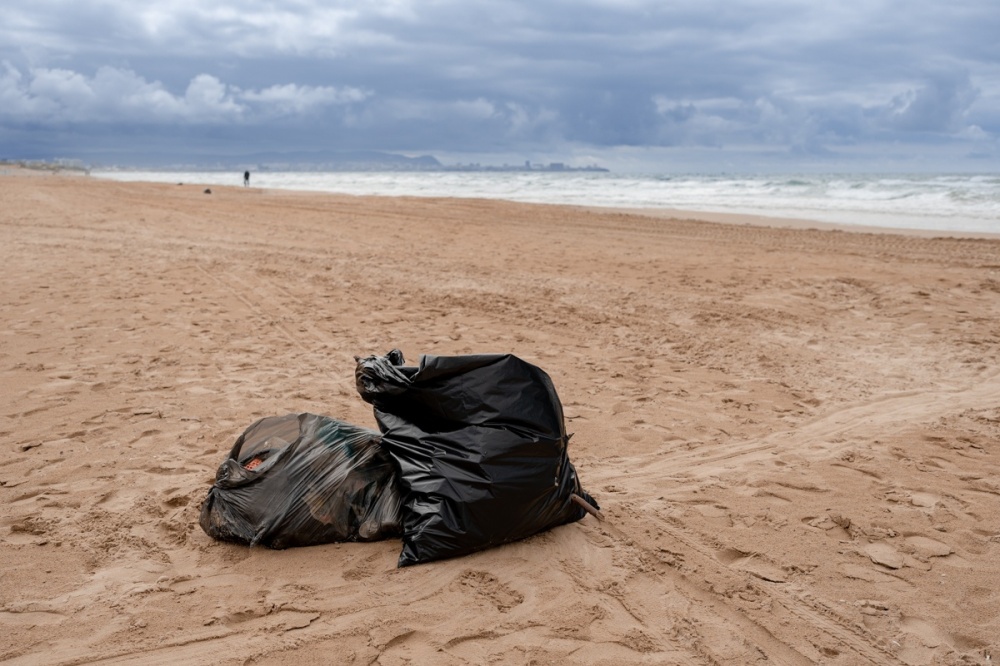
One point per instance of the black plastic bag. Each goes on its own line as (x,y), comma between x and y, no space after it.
(481,447)
(303,479)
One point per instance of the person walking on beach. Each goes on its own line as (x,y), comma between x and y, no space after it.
(246,179)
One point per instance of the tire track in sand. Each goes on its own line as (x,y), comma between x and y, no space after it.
(817,437)
(796,627)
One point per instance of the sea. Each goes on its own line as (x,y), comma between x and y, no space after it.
(965,203)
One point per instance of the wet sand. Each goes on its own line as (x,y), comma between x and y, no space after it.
(794,433)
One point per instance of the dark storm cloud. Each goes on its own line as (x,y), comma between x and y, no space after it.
(803,78)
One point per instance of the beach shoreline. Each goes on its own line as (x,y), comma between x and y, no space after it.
(778,222)
(932,205)
(793,433)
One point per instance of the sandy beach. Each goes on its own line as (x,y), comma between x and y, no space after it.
(794,434)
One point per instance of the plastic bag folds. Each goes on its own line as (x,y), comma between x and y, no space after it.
(301,480)
(480,443)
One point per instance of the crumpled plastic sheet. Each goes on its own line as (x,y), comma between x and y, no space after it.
(304,479)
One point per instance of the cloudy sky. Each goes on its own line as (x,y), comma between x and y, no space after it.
(630,84)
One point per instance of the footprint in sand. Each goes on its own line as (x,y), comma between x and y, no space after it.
(927,547)
(924,500)
(714,514)
(888,556)
(884,554)
(921,641)
(753,564)
(490,588)
(368,566)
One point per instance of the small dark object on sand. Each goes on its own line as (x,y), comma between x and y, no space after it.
(208,191)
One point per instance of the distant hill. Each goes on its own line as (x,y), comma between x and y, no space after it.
(356,160)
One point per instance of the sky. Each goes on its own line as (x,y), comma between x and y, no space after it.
(633,85)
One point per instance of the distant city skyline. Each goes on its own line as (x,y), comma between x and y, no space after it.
(636,85)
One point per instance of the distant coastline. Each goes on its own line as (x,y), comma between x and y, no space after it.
(526,167)
(350,161)
(53,166)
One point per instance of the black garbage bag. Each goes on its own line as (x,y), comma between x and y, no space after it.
(481,447)
(301,480)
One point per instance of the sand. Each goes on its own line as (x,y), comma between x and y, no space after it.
(794,434)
